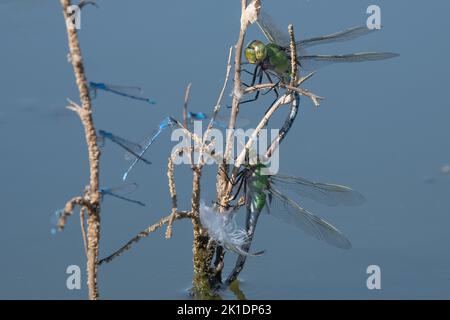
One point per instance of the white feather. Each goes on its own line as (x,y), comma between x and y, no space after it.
(223,229)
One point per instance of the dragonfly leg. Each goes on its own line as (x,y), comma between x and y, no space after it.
(241,181)
(249,72)
(273,88)
(229,179)
(256,74)
(260,78)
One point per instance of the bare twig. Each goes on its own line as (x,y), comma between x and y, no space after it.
(314,98)
(237,80)
(144,233)
(173,197)
(69,208)
(223,185)
(185,105)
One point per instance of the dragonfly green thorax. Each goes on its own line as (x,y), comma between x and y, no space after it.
(258,185)
(269,57)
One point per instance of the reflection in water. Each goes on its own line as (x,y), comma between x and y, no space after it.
(233,291)
(234,287)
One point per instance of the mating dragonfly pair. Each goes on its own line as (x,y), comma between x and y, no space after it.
(260,190)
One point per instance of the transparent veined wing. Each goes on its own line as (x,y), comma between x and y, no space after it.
(120,192)
(345,35)
(132,92)
(324,193)
(313,62)
(290,212)
(133,149)
(271,31)
(123,189)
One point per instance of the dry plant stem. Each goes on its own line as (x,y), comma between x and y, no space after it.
(93,210)
(314,98)
(237,80)
(173,197)
(144,233)
(294,62)
(69,208)
(222,186)
(185,106)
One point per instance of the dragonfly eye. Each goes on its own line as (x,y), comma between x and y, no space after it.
(255,52)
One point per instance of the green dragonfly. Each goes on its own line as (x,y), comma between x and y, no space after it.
(270,192)
(273,59)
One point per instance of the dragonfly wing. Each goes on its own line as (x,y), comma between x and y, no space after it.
(324,193)
(129,90)
(312,62)
(126,91)
(291,213)
(133,149)
(271,31)
(125,199)
(123,189)
(345,35)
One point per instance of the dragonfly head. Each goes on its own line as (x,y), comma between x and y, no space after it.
(256,52)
